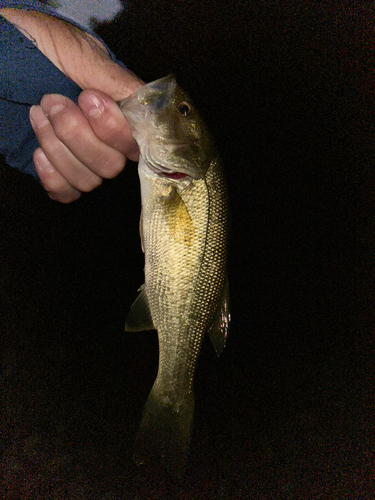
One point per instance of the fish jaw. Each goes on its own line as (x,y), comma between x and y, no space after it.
(140,110)
(169,140)
(147,100)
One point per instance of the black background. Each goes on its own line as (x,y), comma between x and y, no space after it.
(287,411)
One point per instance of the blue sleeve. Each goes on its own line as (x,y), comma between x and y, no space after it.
(26,75)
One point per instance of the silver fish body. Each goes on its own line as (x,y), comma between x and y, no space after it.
(184,228)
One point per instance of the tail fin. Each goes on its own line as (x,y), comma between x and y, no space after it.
(164,434)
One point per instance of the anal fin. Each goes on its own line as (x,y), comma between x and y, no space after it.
(139,317)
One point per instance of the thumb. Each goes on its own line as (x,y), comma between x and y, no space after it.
(79,55)
(85,60)
(105,75)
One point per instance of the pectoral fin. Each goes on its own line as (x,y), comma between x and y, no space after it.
(219,330)
(139,317)
(179,221)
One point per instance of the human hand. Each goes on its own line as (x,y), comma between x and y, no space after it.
(79,145)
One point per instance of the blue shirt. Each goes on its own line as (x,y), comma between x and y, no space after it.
(26,74)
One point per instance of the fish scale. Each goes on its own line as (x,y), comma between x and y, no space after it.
(169,282)
(184,227)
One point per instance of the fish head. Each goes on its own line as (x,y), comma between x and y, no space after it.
(172,137)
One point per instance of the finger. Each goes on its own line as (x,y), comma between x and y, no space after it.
(108,122)
(72,146)
(70,167)
(53,182)
(75,132)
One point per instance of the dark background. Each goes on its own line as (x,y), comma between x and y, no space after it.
(287,411)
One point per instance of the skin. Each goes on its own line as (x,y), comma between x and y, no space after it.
(79,145)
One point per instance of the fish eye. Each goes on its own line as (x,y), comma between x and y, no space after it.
(184,108)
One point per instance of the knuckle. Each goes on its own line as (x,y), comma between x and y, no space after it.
(110,169)
(67,126)
(88,184)
(53,149)
(111,130)
(58,189)
(111,126)
(55,185)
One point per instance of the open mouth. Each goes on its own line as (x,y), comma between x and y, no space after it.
(163,171)
(173,175)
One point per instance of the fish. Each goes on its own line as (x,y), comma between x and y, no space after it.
(184,236)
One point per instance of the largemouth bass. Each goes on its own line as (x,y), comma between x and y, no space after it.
(183,228)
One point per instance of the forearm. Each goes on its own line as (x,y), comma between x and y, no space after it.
(82,143)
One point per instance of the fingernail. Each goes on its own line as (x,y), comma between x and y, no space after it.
(53,104)
(37,116)
(92,104)
(42,161)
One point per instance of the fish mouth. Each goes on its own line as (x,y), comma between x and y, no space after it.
(162,170)
(177,176)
